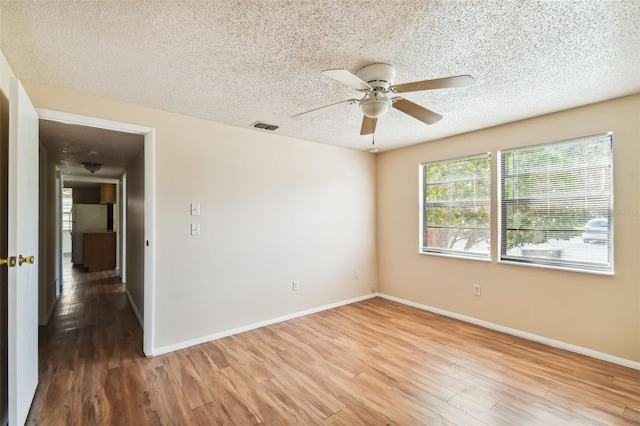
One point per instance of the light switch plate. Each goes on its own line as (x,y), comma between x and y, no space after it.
(195,209)
(195,229)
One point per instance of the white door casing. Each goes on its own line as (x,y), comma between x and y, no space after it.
(149,206)
(22,242)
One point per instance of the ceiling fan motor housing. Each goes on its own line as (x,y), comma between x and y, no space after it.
(380,77)
(377,75)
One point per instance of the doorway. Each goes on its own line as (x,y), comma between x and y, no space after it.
(111,146)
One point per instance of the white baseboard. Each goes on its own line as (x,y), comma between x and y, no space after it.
(135,310)
(227,333)
(518,333)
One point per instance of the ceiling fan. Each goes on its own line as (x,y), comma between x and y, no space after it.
(375,82)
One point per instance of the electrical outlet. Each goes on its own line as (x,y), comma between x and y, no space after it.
(476,290)
(356,275)
(295,285)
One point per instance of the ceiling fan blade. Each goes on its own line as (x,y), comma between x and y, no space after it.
(416,111)
(345,77)
(322,108)
(438,83)
(368,125)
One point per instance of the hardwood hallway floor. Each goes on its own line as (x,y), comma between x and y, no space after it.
(91,336)
(371,363)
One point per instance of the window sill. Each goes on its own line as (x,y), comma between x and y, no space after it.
(557,268)
(454,256)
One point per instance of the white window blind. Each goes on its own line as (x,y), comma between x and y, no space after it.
(456,200)
(556,201)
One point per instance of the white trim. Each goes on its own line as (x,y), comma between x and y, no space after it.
(85,120)
(149,303)
(454,255)
(248,327)
(149,200)
(123,227)
(518,333)
(59,269)
(420,208)
(568,268)
(135,309)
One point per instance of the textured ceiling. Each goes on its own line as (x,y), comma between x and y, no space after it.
(70,145)
(238,62)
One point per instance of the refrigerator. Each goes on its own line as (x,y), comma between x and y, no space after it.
(85,218)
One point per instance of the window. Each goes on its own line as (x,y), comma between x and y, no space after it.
(67,203)
(556,203)
(455,213)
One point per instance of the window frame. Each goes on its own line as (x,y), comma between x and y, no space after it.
(66,210)
(547,263)
(422,249)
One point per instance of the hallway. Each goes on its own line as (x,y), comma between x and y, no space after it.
(91,338)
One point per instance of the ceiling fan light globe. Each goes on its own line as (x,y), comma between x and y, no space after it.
(375,107)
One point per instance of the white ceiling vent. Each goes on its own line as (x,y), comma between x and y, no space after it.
(264,126)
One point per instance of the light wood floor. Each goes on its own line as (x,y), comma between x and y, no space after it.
(371,363)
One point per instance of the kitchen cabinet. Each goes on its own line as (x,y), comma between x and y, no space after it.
(99,251)
(107,193)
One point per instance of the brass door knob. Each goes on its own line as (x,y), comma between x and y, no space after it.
(29,259)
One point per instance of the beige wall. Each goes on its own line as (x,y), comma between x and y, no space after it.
(274,209)
(135,231)
(53,259)
(47,236)
(593,311)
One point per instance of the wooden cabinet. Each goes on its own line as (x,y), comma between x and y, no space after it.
(107,193)
(99,251)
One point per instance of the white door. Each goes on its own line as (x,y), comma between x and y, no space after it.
(22,243)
